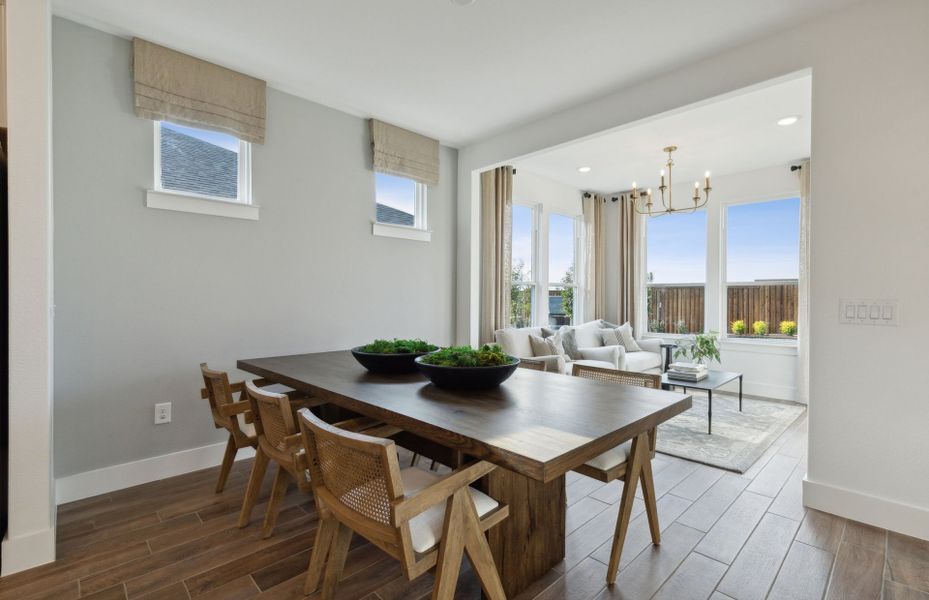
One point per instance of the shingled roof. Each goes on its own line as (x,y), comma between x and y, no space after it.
(189,164)
(393,216)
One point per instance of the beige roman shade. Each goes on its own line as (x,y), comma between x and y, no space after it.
(401,152)
(176,87)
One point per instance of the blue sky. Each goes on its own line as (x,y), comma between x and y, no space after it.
(522,237)
(398,192)
(763,242)
(560,246)
(224,140)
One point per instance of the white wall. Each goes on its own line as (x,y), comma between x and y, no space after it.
(30,539)
(550,197)
(144,295)
(868,448)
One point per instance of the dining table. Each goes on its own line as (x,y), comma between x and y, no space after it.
(536,426)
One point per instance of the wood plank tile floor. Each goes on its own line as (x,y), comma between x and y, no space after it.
(725,536)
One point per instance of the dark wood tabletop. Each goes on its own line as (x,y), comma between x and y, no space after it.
(536,423)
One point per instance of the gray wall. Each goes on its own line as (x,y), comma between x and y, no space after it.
(143,295)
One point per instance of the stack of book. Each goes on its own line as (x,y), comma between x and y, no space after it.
(687,371)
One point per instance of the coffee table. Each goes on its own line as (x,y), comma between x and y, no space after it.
(713,380)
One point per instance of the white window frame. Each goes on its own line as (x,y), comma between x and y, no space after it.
(725,334)
(533,284)
(419,231)
(241,207)
(577,249)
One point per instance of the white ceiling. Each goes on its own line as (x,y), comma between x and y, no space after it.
(735,134)
(458,73)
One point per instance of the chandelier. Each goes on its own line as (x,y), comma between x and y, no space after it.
(643,202)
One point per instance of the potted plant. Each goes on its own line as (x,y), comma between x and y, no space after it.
(760,328)
(703,348)
(391,356)
(463,367)
(788,328)
(738,327)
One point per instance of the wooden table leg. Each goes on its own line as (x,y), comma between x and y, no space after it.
(531,541)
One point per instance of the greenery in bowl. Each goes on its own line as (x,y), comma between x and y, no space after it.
(488,355)
(396,346)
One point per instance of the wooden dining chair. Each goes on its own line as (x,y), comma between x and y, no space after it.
(534,365)
(233,415)
(628,462)
(421,519)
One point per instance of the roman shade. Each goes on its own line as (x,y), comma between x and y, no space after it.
(401,152)
(176,87)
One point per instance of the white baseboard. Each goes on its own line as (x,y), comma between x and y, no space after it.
(880,512)
(118,477)
(27,551)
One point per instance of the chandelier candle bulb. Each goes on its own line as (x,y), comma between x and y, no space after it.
(667,185)
(707,179)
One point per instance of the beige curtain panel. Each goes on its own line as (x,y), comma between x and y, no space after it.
(496,250)
(176,87)
(629,273)
(594,241)
(404,153)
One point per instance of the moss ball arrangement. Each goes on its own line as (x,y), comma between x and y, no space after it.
(738,327)
(488,355)
(760,328)
(398,346)
(788,328)
(463,367)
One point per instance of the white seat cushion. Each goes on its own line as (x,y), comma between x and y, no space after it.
(278,388)
(642,362)
(590,363)
(246,428)
(426,528)
(611,458)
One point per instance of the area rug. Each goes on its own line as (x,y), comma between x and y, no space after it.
(739,438)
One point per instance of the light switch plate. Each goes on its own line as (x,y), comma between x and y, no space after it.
(869,311)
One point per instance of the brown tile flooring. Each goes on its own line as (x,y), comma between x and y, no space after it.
(724,536)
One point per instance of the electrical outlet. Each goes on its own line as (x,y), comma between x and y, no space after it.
(162,413)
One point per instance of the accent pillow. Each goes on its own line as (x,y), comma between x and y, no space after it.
(611,337)
(550,346)
(569,343)
(625,334)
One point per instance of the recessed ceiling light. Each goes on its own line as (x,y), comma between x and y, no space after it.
(463,2)
(583,169)
(787,121)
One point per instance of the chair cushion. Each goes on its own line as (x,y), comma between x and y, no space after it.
(278,388)
(426,528)
(247,428)
(642,361)
(611,458)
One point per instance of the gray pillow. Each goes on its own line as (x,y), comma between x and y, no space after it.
(569,341)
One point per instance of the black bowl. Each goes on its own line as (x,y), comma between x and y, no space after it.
(387,363)
(467,378)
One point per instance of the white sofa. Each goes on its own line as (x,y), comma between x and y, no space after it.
(590,349)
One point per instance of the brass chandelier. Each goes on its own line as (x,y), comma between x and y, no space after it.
(642,203)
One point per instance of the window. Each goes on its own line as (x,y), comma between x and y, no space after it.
(201,163)
(523,284)
(562,286)
(399,202)
(676,272)
(762,268)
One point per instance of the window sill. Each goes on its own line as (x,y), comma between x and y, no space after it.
(201,205)
(402,232)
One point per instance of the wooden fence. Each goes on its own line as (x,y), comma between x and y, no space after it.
(674,308)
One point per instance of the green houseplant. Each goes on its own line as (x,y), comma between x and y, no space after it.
(398,346)
(738,327)
(703,348)
(788,328)
(760,328)
(488,355)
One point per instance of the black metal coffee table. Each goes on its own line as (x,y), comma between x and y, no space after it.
(713,380)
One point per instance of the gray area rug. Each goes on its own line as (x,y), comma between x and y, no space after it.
(738,439)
